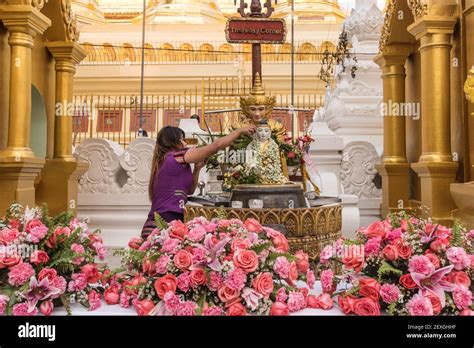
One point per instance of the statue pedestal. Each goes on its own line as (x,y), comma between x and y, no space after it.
(273,196)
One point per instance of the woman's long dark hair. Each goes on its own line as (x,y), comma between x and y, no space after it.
(168,139)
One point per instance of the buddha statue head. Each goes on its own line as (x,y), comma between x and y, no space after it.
(263,131)
(257,106)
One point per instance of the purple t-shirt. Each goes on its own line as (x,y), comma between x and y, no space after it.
(172,185)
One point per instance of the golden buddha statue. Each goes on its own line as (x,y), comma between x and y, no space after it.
(264,157)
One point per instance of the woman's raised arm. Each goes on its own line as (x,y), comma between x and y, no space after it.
(198,154)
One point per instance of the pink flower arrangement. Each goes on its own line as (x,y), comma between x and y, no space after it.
(404,266)
(43,261)
(218,267)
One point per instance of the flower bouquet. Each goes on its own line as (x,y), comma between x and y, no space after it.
(218,267)
(46,262)
(404,266)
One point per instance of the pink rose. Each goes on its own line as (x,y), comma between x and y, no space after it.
(135,243)
(263,284)
(8,260)
(281,243)
(279,309)
(404,225)
(246,259)
(227,294)
(144,307)
(407,282)
(366,307)
(323,301)
(354,258)
(346,303)
(239,243)
(4,300)
(49,273)
(439,244)
(369,288)
(91,272)
(253,225)
(236,309)
(178,230)
(433,259)
(459,278)
(39,257)
(164,284)
(59,235)
(183,260)
(111,295)
(94,300)
(293,275)
(46,308)
(37,230)
(390,252)
(435,302)
(8,235)
(198,277)
(302,261)
(403,249)
(377,229)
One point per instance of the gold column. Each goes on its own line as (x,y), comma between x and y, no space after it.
(19,167)
(436,167)
(395,170)
(59,179)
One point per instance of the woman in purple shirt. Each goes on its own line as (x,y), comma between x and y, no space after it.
(172,179)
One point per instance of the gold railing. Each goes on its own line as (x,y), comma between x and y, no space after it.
(117,117)
(200,53)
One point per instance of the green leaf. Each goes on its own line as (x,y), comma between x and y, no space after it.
(261,247)
(160,223)
(386,270)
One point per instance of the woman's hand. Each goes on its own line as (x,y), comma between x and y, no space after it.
(247,130)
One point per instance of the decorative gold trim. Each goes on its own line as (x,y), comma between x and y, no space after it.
(387,28)
(309,229)
(417,8)
(70,21)
(469,86)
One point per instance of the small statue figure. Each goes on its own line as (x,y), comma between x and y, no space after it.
(264,157)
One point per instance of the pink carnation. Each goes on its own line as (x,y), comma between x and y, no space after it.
(171,245)
(9,235)
(59,283)
(20,274)
(372,246)
(4,299)
(78,249)
(389,293)
(78,282)
(100,250)
(94,300)
(125,300)
(462,297)
(183,281)
(215,281)
(162,263)
(310,279)
(326,254)
(420,306)
(199,255)
(236,279)
(394,234)
(281,295)
(21,310)
(282,267)
(327,278)
(296,301)
(458,257)
(187,308)
(172,301)
(213,311)
(37,230)
(421,264)
(197,233)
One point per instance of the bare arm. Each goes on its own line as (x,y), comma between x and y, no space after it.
(195,155)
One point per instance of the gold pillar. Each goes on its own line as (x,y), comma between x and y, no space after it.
(59,178)
(436,167)
(19,167)
(395,170)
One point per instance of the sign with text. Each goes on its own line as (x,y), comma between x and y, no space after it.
(256,30)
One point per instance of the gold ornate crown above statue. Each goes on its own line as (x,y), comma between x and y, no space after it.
(258,107)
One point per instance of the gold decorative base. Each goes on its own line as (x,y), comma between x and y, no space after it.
(436,179)
(395,186)
(59,184)
(309,229)
(17,180)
